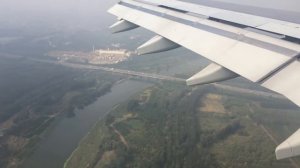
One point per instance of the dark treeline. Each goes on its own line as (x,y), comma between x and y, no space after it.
(33,94)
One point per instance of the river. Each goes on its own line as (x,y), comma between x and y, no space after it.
(62,138)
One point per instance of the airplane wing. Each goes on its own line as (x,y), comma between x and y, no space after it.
(263,50)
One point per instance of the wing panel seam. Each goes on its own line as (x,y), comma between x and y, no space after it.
(234,36)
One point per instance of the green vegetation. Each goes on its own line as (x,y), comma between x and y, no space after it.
(168,129)
(34,94)
(179,63)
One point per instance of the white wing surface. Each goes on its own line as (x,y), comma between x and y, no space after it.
(264,50)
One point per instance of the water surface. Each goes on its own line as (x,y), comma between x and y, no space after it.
(65,134)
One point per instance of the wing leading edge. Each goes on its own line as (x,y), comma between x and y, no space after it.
(270,58)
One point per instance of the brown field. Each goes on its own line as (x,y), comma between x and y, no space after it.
(212,103)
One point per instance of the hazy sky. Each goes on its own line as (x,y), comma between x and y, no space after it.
(84,7)
(81,12)
(91,12)
(40,5)
(290,5)
(53,5)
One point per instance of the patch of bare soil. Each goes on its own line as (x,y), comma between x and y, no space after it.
(212,103)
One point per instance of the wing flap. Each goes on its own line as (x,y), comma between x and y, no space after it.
(286,81)
(264,58)
(248,57)
(267,24)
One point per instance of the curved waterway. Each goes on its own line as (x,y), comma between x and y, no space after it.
(64,135)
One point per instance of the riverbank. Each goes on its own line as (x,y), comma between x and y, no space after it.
(34,95)
(62,139)
(170,125)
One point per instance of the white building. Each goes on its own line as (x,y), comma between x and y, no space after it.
(108,52)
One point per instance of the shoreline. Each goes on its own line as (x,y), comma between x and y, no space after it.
(88,117)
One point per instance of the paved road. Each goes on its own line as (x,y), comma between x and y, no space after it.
(113,70)
(148,75)
(160,77)
(168,78)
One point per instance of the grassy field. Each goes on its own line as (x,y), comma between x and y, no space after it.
(171,126)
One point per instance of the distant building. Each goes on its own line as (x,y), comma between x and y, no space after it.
(114,53)
(100,56)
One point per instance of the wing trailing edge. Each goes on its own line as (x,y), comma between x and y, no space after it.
(238,44)
(255,56)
